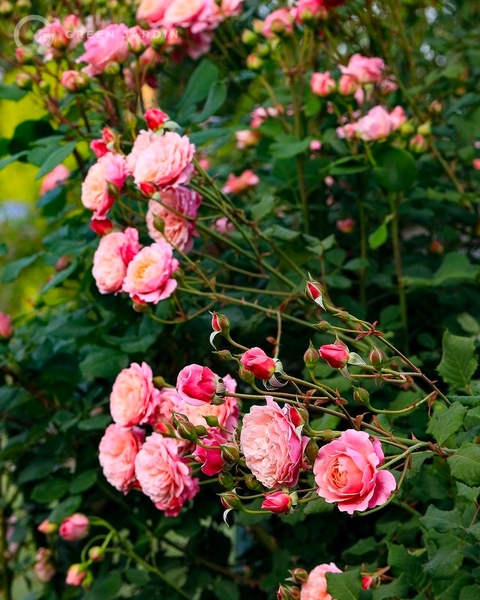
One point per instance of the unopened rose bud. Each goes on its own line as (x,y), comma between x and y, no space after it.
(311,357)
(323,326)
(155,118)
(25,54)
(288,592)
(245,375)
(158,40)
(6,8)
(376,356)
(425,128)
(47,528)
(224,355)
(129,119)
(44,86)
(112,68)
(76,574)
(44,571)
(87,581)
(262,50)
(277,502)
(418,144)
(62,263)
(299,576)
(226,480)
(187,431)
(24,81)
(346,225)
(135,42)
(220,323)
(361,396)
(311,451)
(74,528)
(230,453)
(314,291)
(366,582)
(258,25)
(139,305)
(230,500)
(254,62)
(436,247)
(6,326)
(112,189)
(211,420)
(23,5)
(253,484)
(96,553)
(201,431)
(249,38)
(335,355)
(347,85)
(407,128)
(101,226)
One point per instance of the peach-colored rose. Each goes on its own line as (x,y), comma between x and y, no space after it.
(236,185)
(177,229)
(152,11)
(272,444)
(134,397)
(149,273)
(315,588)
(364,69)
(165,162)
(163,475)
(196,15)
(346,472)
(375,125)
(247,138)
(104,46)
(6,326)
(322,84)
(56,177)
(96,196)
(74,528)
(117,451)
(111,259)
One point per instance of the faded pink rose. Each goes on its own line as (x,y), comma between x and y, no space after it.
(257,362)
(278,22)
(174,214)
(364,69)
(104,46)
(397,117)
(117,451)
(347,132)
(149,274)
(236,185)
(134,397)
(272,444)
(223,226)
(277,502)
(74,528)
(44,571)
(197,385)
(211,457)
(322,84)
(96,195)
(52,40)
(315,588)
(165,160)
(111,259)
(56,177)
(375,125)
(346,472)
(163,475)
(6,326)
(75,575)
(247,138)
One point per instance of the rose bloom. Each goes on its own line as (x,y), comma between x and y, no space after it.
(109,168)
(272,445)
(174,228)
(117,451)
(306,10)
(104,46)
(6,326)
(397,117)
(247,138)
(111,259)
(236,185)
(197,385)
(75,575)
(195,15)
(260,114)
(375,125)
(223,226)
(257,362)
(165,162)
(315,588)
(322,84)
(163,475)
(149,274)
(347,85)
(231,8)
(134,397)
(142,142)
(346,472)
(74,528)
(152,11)
(278,22)
(211,458)
(56,177)
(99,148)
(364,69)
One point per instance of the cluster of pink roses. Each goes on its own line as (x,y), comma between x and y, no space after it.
(377,124)
(157,463)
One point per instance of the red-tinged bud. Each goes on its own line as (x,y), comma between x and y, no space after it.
(165,429)
(311,357)
(376,356)
(254,62)
(258,25)
(147,189)
(298,415)
(436,247)
(112,68)
(288,592)
(109,135)
(361,396)
(346,225)
(314,291)
(155,118)
(367,582)
(139,305)
(24,81)
(230,453)
(62,263)
(425,128)
(6,8)
(245,375)
(25,55)
(418,144)
(347,85)
(96,553)
(76,574)
(101,226)
(75,81)
(74,528)
(47,528)
(230,500)
(311,451)
(224,355)
(299,576)
(220,323)
(99,148)
(249,38)
(277,502)
(226,480)
(335,355)
(256,361)
(135,41)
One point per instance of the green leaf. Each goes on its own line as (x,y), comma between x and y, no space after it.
(106,587)
(454,268)
(65,509)
(96,422)
(226,590)
(11,159)
(444,564)
(289,146)
(11,92)
(263,208)
(12,270)
(318,506)
(447,423)
(469,593)
(441,520)
(344,586)
(137,576)
(199,84)
(37,469)
(396,589)
(453,590)
(215,99)
(402,561)
(103,362)
(459,362)
(465,491)
(50,490)
(465,464)
(60,276)
(83,482)
(378,237)
(396,169)
(56,158)
(3,249)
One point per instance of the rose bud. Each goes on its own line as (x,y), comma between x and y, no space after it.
(44,571)
(366,582)
(376,356)
(220,323)
(311,357)
(288,592)
(277,502)
(46,527)
(101,226)
(230,500)
(197,384)
(298,575)
(254,62)
(347,85)
(226,480)
(361,396)
(335,355)
(249,38)
(96,553)
(257,362)
(155,118)
(74,528)
(75,575)
(6,327)
(314,291)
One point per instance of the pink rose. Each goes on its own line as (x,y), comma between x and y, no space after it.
(152,11)
(247,138)
(257,362)
(52,40)
(211,457)
(231,8)
(196,15)
(134,397)
(272,445)
(375,125)
(56,177)
(96,195)
(397,117)
(277,502)
(278,22)
(142,142)
(260,114)
(106,45)
(346,225)
(166,161)
(117,451)
(6,326)
(364,69)
(99,148)
(347,85)
(306,10)
(175,214)
(149,274)
(315,588)
(75,575)
(347,132)
(346,472)
(476,164)
(163,475)
(73,81)
(335,355)
(74,528)
(111,259)
(322,84)
(236,185)
(223,226)
(197,385)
